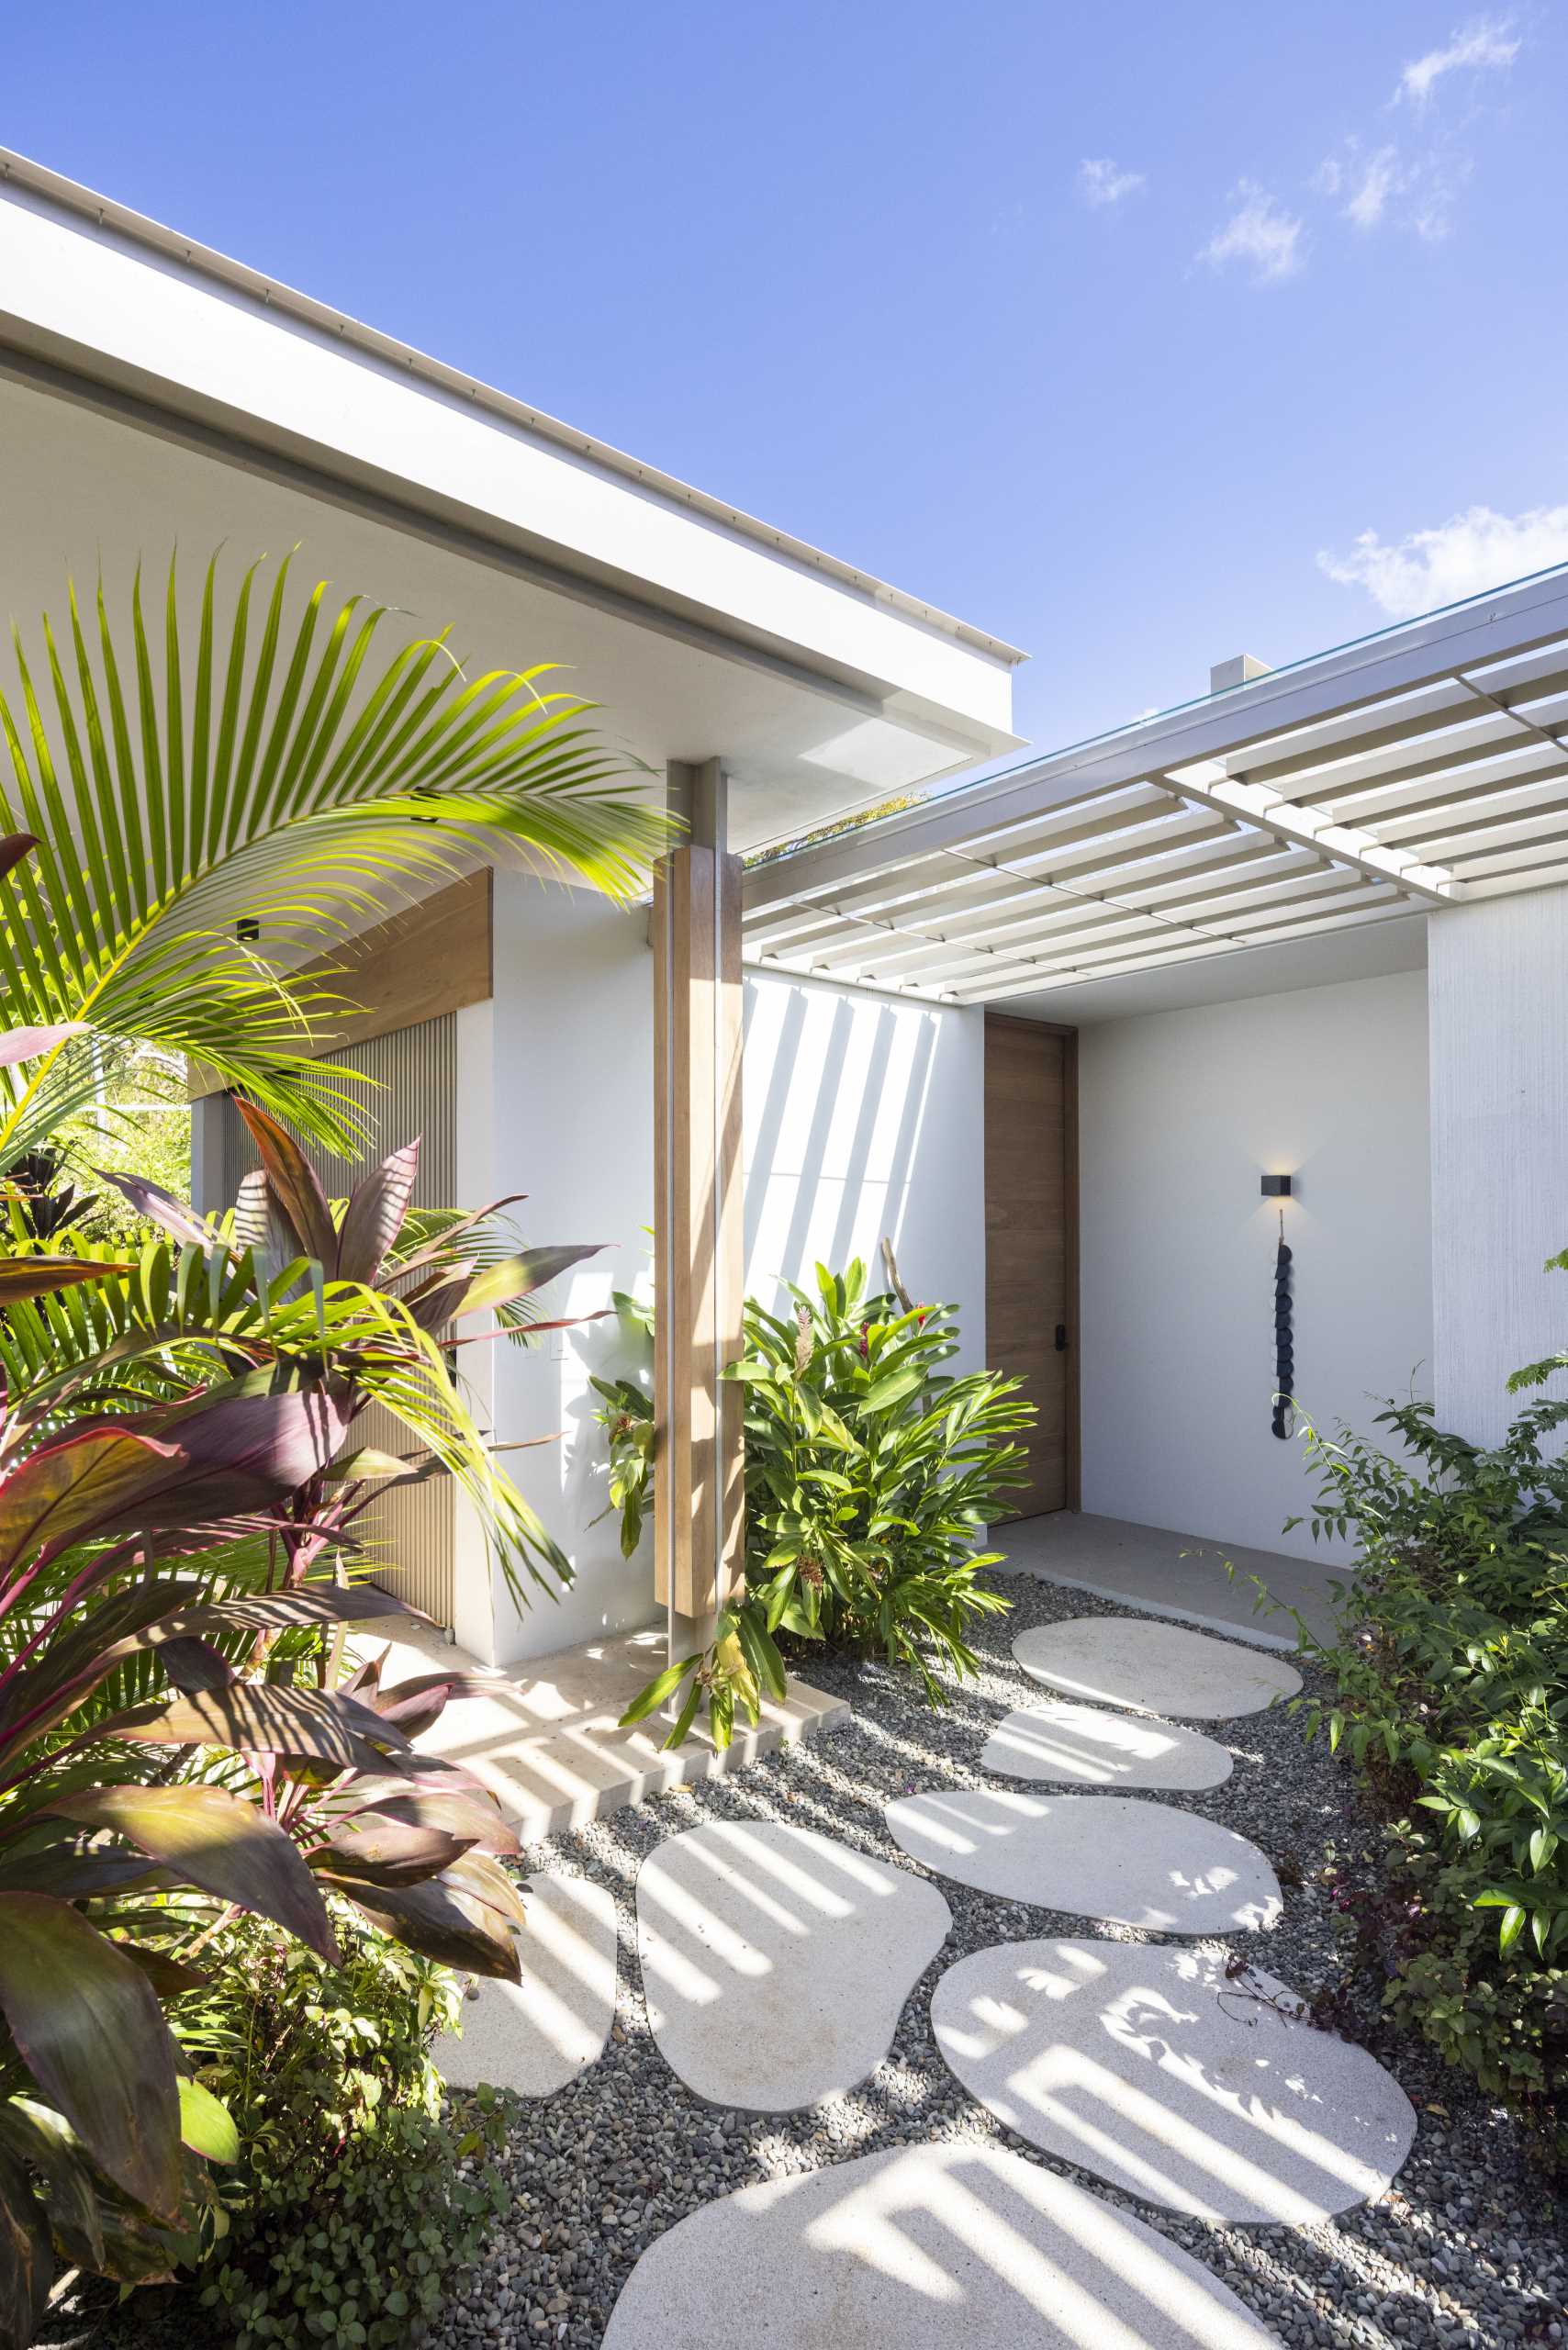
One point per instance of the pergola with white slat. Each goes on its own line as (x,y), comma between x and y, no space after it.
(1415,768)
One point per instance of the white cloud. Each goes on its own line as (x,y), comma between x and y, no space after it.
(1464,556)
(1102,182)
(1487,44)
(1259,232)
(1387,189)
(1379,178)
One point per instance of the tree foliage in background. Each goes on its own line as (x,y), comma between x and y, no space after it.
(870,1475)
(1450,1669)
(213,805)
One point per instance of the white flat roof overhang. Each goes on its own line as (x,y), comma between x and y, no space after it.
(870,692)
(1409,770)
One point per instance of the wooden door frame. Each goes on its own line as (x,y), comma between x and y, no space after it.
(1074,1434)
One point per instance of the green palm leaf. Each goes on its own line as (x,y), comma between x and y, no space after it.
(208,823)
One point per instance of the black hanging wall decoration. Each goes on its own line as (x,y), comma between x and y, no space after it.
(1277,1187)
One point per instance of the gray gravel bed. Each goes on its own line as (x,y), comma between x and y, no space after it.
(1467,2248)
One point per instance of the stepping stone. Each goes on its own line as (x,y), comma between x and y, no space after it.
(1156,1668)
(1150,2068)
(924,2248)
(1111,1857)
(776,1962)
(536,2035)
(1092,1749)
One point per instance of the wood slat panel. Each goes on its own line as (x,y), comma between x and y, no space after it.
(1031,1242)
(427,959)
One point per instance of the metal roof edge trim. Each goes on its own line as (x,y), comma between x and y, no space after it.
(20,170)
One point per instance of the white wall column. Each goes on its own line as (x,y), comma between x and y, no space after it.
(1498,997)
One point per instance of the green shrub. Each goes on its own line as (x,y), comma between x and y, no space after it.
(348,2207)
(870,1475)
(1450,1669)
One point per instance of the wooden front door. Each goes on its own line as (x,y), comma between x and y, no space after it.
(1031,1243)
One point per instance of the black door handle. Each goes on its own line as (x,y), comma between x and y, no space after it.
(1061,1337)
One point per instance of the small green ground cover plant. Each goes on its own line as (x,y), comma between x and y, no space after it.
(871,1473)
(1449,1667)
(354,2197)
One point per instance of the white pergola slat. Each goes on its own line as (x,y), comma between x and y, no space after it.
(1423,766)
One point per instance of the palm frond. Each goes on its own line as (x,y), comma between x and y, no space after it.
(291,777)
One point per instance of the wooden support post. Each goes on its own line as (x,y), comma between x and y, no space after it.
(698,1231)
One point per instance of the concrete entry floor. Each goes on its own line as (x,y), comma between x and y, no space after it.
(543,1736)
(1166,1573)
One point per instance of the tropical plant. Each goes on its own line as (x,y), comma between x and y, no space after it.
(353,2197)
(105,1863)
(1449,1666)
(209,815)
(870,1475)
(45,1201)
(626,1416)
(170,1520)
(425,1273)
(627,1419)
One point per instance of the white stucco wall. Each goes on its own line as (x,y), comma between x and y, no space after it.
(564,1080)
(862,1117)
(1179,1115)
(1499,1054)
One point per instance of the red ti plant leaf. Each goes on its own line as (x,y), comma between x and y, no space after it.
(223,1458)
(219,1842)
(417,1705)
(68,1667)
(260,1225)
(294,1185)
(442,1921)
(482,1879)
(14,847)
(274,1611)
(264,1717)
(170,1977)
(26,2257)
(473,1817)
(88,2026)
(192,1664)
(25,1277)
(373,1851)
(159,1206)
(35,2134)
(31,1044)
(73,1867)
(375,1215)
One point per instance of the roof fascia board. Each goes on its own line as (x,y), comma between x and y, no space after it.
(372,504)
(96,289)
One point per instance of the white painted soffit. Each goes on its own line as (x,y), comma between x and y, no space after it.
(1412,769)
(91,286)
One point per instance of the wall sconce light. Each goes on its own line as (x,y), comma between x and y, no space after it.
(1283,1420)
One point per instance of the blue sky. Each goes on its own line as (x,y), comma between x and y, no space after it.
(1116,331)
